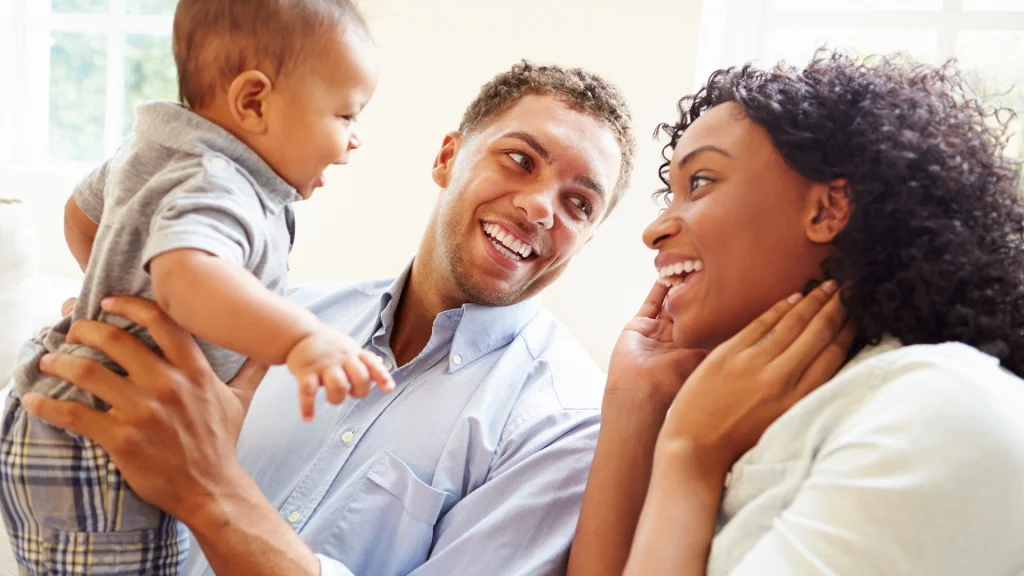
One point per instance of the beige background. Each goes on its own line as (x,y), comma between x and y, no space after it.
(435,55)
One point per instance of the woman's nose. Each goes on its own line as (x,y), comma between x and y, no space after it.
(665,226)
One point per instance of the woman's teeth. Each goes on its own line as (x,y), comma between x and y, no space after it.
(506,243)
(674,275)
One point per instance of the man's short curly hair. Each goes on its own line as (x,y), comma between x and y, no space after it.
(582,91)
(933,250)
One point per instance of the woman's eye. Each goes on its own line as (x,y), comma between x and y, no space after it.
(698,182)
(522,159)
(582,204)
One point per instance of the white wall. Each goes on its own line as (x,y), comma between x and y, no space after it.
(435,55)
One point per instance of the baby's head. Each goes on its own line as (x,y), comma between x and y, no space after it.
(287,77)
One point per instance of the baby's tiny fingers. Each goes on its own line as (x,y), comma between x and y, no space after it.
(308,384)
(336,384)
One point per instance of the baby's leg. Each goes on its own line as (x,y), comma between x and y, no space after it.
(69,511)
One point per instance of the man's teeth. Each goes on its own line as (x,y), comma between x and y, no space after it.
(514,246)
(673,275)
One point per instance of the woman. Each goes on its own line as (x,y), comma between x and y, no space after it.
(885,178)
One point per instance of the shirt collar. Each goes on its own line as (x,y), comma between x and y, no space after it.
(174,126)
(478,329)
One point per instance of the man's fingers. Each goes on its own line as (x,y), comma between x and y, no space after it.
(378,373)
(249,378)
(68,306)
(69,415)
(88,375)
(308,384)
(828,362)
(654,301)
(126,350)
(335,383)
(178,346)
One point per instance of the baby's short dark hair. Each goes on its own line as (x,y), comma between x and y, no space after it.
(215,40)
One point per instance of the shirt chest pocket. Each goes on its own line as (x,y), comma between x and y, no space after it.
(388,527)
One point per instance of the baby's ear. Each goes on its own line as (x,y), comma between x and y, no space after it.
(247,100)
(444,164)
(828,212)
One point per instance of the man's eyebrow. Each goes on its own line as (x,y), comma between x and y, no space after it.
(591,184)
(708,148)
(530,141)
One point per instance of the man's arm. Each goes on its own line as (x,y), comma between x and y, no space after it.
(171,431)
(79,232)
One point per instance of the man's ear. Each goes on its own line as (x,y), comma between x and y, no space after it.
(829,210)
(444,163)
(247,100)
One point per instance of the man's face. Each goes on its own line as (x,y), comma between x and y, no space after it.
(520,197)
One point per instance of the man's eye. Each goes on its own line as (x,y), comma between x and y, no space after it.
(522,159)
(583,205)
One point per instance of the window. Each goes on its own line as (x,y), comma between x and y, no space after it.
(986,36)
(84,65)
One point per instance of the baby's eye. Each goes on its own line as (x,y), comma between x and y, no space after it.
(522,159)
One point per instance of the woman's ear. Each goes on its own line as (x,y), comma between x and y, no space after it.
(247,100)
(444,164)
(829,210)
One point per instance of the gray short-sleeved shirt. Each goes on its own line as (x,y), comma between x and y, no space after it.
(179,182)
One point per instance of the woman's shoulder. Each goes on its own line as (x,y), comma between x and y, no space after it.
(948,397)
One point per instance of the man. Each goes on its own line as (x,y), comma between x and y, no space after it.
(477,462)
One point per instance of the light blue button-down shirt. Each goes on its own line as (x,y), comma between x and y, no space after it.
(475,464)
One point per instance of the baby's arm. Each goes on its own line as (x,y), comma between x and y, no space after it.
(79,232)
(226,305)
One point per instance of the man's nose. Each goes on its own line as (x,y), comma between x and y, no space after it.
(537,205)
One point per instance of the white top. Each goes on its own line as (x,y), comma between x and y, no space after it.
(910,461)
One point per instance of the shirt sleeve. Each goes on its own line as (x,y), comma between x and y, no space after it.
(88,194)
(924,479)
(210,214)
(522,519)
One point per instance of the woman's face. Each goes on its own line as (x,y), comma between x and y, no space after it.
(746,225)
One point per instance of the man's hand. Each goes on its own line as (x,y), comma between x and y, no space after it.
(172,426)
(335,361)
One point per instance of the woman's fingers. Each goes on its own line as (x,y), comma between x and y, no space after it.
(796,323)
(651,307)
(828,361)
(178,346)
(812,339)
(755,333)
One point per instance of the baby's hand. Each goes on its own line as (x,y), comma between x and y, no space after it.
(333,360)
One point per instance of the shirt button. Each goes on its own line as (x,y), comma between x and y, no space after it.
(348,436)
(294,517)
(388,366)
(218,163)
(456,359)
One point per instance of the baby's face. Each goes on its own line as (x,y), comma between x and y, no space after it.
(313,123)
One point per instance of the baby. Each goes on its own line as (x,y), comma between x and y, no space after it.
(195,212)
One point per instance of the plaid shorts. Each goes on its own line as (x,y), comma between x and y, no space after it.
(68,510)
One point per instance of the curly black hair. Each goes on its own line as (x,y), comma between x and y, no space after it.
(934,249)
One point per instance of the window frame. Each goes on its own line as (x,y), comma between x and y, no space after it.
(33,23)
(737,31)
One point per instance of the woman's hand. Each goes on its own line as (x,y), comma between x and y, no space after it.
(746,383)
(646,363)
